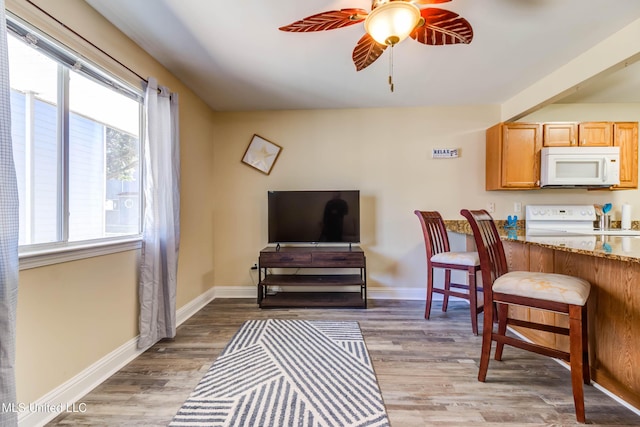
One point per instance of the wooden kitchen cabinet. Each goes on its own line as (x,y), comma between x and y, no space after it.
(560,134)
(625,136)
(595,134)
(513,156)
(513,150)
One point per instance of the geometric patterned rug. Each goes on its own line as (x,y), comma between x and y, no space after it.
(289,373)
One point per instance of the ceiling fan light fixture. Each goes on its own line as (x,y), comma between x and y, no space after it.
(392,22)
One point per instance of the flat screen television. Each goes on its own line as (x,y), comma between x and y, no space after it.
(314,216)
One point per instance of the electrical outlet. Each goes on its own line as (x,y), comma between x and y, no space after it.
(491,207)
(517,207)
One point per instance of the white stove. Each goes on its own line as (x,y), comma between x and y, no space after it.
(566,225)
(541,219)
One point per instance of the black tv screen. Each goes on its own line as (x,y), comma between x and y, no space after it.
(314,216)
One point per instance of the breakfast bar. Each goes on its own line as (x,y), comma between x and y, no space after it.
(612,265)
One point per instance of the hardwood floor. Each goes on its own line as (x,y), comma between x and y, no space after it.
(427,370)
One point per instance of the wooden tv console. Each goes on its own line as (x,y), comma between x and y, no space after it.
(312,257)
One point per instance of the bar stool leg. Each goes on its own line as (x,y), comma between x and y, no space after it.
(576,355)
(447,287)
(503,312)
(473,300)
(427,311)
(586,369)
(487,331)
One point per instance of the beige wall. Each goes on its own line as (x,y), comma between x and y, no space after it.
(385,153)
(72,314)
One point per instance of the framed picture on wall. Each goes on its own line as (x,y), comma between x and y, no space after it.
(261,154)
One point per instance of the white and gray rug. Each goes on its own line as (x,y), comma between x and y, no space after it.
(289,373)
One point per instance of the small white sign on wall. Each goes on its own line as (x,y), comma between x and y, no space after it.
(444,153)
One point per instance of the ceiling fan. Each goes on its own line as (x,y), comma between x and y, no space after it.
(388,23)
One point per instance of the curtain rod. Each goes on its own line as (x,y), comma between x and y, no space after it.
(85,40)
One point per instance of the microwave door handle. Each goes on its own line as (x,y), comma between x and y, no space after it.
(605,170)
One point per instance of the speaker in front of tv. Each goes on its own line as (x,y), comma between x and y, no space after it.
(314,216)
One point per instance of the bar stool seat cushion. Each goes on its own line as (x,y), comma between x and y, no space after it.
(458,258)
(545,286)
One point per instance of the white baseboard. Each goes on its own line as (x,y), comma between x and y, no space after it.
(236,292)
(372,293)
(62,398)
(67,397)
(195,305)
(400,293)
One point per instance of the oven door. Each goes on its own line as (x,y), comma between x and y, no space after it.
(568,240)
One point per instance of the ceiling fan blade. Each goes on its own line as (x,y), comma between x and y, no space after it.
(330,20)
(429,1)
(366,52)
(442,27)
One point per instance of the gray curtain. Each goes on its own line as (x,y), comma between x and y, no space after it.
(8,239)
(161,224)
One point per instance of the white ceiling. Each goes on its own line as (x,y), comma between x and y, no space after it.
(232,53)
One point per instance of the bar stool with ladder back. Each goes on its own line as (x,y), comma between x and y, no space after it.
(439,256)
(553,292)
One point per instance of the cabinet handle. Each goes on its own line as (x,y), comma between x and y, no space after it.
(339,258)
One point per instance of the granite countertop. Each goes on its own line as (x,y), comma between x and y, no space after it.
(622,248)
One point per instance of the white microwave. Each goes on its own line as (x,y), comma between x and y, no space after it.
(580,166)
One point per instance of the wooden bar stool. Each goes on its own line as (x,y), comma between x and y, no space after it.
(439,256)
(559,293)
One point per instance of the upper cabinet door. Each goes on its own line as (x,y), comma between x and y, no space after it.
(625,136)
(560,134)
(595,134)
(513,156)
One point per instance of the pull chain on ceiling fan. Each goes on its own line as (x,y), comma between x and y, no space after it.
(388,23)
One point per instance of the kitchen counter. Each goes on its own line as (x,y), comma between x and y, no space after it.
(622,248)
(612,266)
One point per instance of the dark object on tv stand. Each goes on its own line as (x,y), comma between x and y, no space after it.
(278,247)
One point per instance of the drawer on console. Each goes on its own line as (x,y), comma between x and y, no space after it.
(338,259)
(284,259)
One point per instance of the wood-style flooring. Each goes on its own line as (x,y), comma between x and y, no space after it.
(427,370)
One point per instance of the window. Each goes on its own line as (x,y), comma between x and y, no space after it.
(76,142)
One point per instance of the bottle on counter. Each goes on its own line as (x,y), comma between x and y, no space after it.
(625,217)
